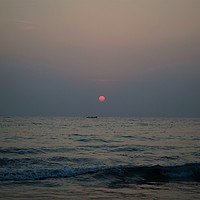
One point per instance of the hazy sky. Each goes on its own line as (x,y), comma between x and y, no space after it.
(58,56)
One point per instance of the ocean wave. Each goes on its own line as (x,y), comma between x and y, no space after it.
(14,150)
(45,173)
(157,173)
(13,162)
(126,149)
(186,172)
(20,151)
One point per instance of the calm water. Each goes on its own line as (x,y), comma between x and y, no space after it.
(104,158)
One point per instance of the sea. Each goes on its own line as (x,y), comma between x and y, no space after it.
(99,158)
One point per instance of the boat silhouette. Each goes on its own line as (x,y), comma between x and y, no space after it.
(91,117)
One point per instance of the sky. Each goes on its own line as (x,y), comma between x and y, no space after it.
(58,57)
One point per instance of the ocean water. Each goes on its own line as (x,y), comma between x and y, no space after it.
(103,158)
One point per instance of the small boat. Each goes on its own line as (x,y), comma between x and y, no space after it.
(92,117)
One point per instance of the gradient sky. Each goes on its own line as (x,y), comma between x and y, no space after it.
(58,57)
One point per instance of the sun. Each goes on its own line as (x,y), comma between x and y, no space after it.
(102,98)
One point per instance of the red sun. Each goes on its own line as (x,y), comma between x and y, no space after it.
(102,98)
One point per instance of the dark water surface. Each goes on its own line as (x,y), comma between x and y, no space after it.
(103,158)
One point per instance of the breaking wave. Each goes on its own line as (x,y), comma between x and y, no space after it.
(186,172)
